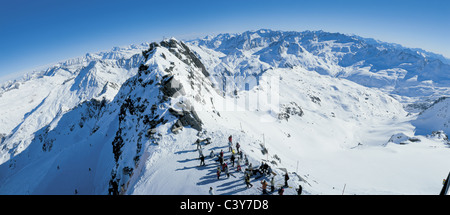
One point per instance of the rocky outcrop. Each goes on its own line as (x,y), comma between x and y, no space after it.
(288,110)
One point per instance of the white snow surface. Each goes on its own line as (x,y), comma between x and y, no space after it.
(330,109)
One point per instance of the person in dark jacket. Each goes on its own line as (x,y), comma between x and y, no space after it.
(221,160)
(247,181)
(202,160)
(281,191)
(232,160)
(286,178)
(299,190)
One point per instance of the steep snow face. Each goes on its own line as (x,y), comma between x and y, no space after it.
(29,104)
(389,67)
(434,118)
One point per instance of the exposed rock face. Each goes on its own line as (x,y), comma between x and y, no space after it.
(171,86)
(186,118)
(288,110)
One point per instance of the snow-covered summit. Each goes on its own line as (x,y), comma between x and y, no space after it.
(389,67)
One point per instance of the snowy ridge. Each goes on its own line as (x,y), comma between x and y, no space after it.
(126,121)
(389,67)
(25,110)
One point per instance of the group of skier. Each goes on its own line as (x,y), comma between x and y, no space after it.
(272,187)
(239,156)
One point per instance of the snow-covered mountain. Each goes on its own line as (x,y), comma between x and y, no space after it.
(329,109)
(434,118)
(33,102)
(390,67)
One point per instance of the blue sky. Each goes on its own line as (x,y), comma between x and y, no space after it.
(38,33)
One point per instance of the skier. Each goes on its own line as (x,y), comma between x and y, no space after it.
(247,172)
(247,181)
(211,154)
(202,160)
(200,152)
(211,191)
(226,170)
(218,173)
(299,190)
(198,144)
(250,169)
(264,186)
(221,160)
(286,178)
(230,139)
(232,160)
(238,164)
(237,147)
(230,146)
(281,191)
(246,160)
(272,184)
(221,153)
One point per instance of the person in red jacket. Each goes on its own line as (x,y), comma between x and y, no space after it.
(230,139)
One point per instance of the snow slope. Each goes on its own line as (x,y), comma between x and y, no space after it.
(434,118)
(29,104)
(126,121)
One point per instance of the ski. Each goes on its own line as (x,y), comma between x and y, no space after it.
(282,185)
